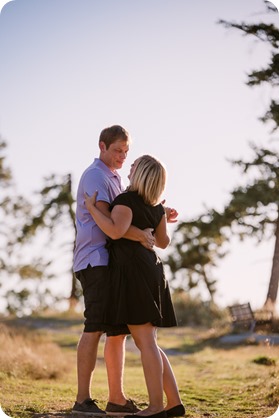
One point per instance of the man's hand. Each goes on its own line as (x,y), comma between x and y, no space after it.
(171,215)
(147,238)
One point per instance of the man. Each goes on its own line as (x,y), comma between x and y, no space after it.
(90,266)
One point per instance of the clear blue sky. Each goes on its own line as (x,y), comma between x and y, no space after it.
(165,71)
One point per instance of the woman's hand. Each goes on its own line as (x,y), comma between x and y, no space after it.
(90,201)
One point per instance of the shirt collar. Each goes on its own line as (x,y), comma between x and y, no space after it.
(100,164)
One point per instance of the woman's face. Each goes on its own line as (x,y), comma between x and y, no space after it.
(132,169)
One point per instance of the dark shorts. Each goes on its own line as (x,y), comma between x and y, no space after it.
(95,286)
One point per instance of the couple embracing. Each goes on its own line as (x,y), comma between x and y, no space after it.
(124,286)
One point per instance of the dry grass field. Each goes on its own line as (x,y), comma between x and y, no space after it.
(216,379)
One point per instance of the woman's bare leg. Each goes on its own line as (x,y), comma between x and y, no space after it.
(152,363)
(169,383)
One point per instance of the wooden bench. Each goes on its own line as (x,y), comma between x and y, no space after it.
(244,318)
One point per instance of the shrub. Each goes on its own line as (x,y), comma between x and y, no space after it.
(24,353)
(193,311)
(265,361)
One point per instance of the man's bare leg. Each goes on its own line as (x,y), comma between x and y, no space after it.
(114,354)
(86,361)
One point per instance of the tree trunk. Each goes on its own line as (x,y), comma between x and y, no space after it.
(274,279)
(74,296)
(73,299)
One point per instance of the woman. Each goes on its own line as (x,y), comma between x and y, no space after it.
(140,293)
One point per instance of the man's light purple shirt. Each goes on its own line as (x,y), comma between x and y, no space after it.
(90,240)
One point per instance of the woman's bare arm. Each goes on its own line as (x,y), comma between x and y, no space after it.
(162,238)
(116,225)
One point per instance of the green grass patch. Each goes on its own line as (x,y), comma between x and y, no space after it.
(214,380)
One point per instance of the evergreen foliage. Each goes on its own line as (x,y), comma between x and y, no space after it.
(252,210)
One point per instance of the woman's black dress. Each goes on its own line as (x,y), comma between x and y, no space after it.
(139,291)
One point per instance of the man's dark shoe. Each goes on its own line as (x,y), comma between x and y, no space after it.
(88,407)
(114,409)
(176,411)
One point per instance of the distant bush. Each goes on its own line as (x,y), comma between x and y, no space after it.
(24,353)
(265,361)
(193,311)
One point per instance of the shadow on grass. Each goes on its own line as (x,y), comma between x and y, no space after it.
(65,332)
(191,339)
(226,341)
(40,322)
(62,415)
(56,414)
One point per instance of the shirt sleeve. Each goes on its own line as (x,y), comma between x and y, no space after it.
(95,180)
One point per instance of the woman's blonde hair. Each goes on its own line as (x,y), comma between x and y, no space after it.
(148,179)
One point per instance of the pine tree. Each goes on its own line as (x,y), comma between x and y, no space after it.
(252,210)
(265,189)
(55,208)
